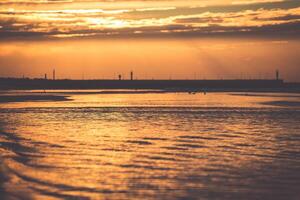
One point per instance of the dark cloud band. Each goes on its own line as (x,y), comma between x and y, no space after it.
(263,19)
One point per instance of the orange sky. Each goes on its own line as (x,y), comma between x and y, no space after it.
(156,39)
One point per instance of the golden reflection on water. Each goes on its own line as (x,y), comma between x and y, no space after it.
(154,146)
(80,99)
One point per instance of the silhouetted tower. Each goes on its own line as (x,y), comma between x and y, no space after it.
(131,75)
(54,74)
(120,77)
(45,76)
(277,75)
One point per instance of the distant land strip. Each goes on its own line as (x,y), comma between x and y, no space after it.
(166,85)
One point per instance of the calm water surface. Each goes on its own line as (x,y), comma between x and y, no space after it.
(151,146)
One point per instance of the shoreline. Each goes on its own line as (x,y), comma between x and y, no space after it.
(148,91)
(60,96)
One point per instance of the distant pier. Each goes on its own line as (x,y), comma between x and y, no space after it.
(175,85)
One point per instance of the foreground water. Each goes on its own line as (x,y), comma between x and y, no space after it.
(152,146)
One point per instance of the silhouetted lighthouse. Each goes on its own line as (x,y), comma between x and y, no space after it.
(131,75)
(54,74)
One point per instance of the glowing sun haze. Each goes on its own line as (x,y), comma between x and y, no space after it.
(155,38)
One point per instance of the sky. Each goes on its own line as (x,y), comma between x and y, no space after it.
(159,39)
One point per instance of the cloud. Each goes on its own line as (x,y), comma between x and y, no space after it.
(235,20)
(255,2)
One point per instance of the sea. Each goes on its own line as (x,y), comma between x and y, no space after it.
(156,146)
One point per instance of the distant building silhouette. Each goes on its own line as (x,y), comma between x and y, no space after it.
(45,76)
(277,75)
(120,77)
(131,75)
(54,74)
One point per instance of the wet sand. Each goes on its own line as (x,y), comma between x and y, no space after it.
(24,98)
(11,142)
(283,103)
(160,146)
(263,94)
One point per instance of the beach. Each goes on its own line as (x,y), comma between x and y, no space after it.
(151,145)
